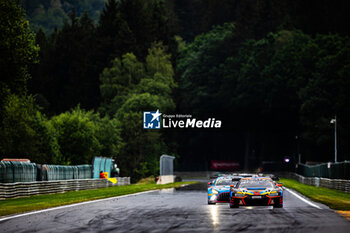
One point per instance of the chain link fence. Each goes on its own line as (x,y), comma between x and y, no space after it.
(339,170)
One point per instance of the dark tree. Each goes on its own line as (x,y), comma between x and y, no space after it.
(17,48)
(67,74)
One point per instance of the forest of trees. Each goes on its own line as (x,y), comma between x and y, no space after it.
(50,14)
(77,76)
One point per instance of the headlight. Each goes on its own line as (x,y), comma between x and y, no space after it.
(239,195)
(214,191)
(273,194)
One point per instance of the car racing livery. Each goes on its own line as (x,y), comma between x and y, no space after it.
(219,189)
(256,191)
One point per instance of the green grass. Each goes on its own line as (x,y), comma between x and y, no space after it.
(335,199)
(37,202)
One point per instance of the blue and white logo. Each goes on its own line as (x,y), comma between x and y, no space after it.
(151,120)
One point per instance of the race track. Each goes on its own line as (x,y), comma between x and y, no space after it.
(183,210)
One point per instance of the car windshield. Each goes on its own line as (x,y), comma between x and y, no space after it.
(256,184)
(224,182)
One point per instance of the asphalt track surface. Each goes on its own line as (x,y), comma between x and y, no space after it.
(182,210)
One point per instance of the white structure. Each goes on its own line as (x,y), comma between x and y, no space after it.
(334,121)
(166,169)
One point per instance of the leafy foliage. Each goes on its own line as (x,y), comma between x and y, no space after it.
(49,15)
(76,135)
(130,87)
(270,70)
(108,134)
(26,133)
(267,90)
(68,73)
(199,65)
(326,94)
(18,50)
(254,19)
(65,78)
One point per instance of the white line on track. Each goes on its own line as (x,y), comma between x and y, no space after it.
(303,199)
(72,205)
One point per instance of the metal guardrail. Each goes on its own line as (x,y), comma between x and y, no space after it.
(338,184)
(23,189)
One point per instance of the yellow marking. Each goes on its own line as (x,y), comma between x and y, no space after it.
(113,180)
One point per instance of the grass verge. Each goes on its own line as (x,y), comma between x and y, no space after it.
(335,199)
(25,204)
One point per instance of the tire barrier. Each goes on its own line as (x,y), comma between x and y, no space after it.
(60,172)
(14,171)
(84,171)
(24,189)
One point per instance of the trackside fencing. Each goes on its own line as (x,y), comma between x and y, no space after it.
(11,171)
(101,164)
(60,172)
(339,170)
(23,189)
(341,185)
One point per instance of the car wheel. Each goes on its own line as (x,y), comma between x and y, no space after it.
(211,203)
(278,204)
(234,205)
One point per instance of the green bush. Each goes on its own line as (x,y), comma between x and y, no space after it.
(107,133)
(26,133)
(76,135)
